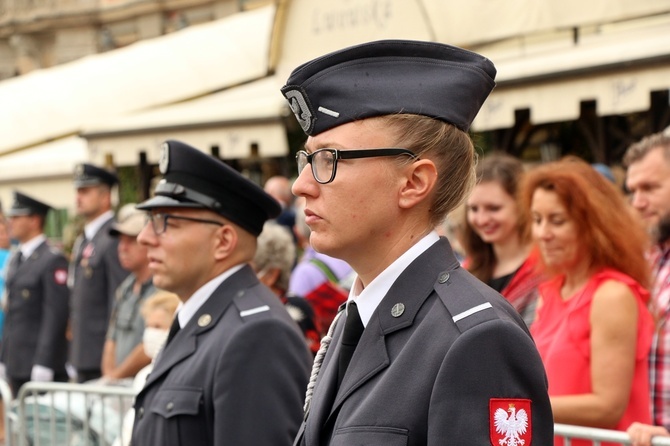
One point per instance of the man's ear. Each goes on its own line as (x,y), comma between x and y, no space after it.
(419,181)
(225,241)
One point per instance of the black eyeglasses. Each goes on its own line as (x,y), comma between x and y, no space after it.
(159,221)
(324,161)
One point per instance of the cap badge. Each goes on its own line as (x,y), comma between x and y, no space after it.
(164,160)
(510,421)
(79,170)
(300,107)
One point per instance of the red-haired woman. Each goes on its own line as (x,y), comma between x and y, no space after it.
(593,329)
(496,238)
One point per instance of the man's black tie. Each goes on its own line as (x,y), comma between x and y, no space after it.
(353,329)
(174,328)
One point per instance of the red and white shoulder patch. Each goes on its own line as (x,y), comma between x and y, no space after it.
(60,276)
(510,421)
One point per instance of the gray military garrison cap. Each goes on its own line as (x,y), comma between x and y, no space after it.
(388,77)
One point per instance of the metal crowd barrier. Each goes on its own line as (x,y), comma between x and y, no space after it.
(598,436)
(64,414)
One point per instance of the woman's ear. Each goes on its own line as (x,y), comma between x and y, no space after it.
(419,182)
(270,276)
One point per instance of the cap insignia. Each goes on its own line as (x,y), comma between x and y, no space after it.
(300,107)
(164,160)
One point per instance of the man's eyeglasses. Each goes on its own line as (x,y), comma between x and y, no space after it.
(324,161)
(159,221)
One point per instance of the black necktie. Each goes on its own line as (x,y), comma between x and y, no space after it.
(173,330)
(353,329)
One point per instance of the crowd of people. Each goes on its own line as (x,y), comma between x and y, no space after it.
(328,310)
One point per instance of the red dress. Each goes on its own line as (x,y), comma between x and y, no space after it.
(562,333)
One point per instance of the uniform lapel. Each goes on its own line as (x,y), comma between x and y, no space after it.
(13,266)
(411,290)
(185,342)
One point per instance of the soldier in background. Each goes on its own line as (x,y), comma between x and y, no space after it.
(34,346)
(95,271)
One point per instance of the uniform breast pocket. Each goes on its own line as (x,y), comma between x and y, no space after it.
(370,436)
(174,402)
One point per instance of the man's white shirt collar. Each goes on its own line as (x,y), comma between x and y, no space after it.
(93,227)
(198,299)
(368,299)
(29,247)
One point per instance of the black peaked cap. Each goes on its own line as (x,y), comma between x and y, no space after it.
(193,179)
(25,205)
(86,175)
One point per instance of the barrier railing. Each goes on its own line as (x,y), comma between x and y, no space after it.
(597,436)
(56,414)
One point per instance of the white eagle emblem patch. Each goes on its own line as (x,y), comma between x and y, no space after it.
(510,422)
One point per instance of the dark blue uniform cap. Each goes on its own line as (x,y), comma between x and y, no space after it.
(86,175)
(193,179)
(25,205)
(388,77)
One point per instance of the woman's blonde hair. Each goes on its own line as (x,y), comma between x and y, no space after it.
(449,148)
(160,299)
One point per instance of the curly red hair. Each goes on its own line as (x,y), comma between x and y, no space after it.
(606,224)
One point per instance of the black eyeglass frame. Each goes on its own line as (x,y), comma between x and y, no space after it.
(347,155)
(151,217)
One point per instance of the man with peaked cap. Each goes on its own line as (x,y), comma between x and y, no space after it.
(34,346)
(235,365)
(95,272)
(422,353)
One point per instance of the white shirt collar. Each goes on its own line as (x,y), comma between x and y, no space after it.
(93,227)
(198,299)
(29,247)
(368,299)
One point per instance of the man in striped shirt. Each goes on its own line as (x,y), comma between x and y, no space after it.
(648,180)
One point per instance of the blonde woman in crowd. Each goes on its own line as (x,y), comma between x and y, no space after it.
(496,237)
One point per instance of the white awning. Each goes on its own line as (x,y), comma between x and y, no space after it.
(476,21)
(233,120)
(44,171)
(58,101)
(618,70)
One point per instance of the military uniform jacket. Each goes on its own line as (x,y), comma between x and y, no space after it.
(96,274)
(235,375)
(36,313)
(439,356)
